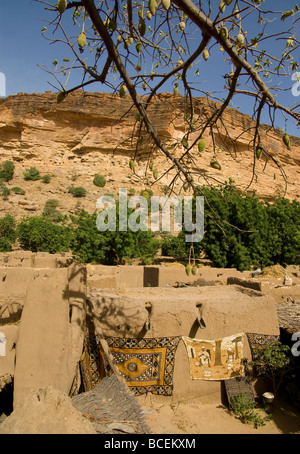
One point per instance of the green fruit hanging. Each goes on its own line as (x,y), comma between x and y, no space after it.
(81,40)
(224,33)
(151,165)
(131,164)
(153,6)
(166,4)
(62,6)
(141,13)
(148,15)
(215,165)
(138,47)
(222,7)
(259,151)
(186,186)
(175,90)
(142,27)
(60,97)
(188,269)
(182,25)
(240,40)
(155,174)
(144,85)
(122,91)
(205,54)
(237,14)
(201,145)
(194,270)
(228,2)
(286,141)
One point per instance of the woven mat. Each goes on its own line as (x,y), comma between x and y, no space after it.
(237,386)
(257,344)
(146,364)
(112,408)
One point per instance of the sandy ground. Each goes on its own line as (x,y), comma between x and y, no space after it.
(198,418)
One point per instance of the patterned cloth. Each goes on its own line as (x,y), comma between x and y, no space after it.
(218,359)
(146,364)
(257,342)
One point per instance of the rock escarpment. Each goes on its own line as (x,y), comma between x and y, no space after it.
(93,133)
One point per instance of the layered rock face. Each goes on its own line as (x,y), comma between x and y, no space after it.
(96,133)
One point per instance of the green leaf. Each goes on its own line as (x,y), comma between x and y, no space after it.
(287,14)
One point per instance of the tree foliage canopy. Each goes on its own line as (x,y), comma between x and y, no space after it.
(141,47)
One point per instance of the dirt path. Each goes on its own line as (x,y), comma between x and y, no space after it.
(198,418)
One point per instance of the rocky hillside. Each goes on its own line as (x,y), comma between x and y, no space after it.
(92,133)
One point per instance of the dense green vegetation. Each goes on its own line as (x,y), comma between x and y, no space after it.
(52,232)
(252,233)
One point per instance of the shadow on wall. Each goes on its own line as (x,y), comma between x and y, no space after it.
(112,316)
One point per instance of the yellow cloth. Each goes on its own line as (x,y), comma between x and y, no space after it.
(218,359)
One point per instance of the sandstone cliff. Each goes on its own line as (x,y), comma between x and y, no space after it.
(92,133)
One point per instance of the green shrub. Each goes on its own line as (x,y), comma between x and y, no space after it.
(39,234)
(244,409)
(32,174)
(18,190)
(5,245)
(51,212)
(272,362)
(46,179)
(50,207)
(174,246)
(7,233)
(87,244)
(99,180)
(77,191)
(7,169)
(8,227)
(4,191)
(110,247)
(123,246)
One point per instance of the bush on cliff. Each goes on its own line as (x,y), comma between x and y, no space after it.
(99,180)
(32,174)
(77,191)
(7,169)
